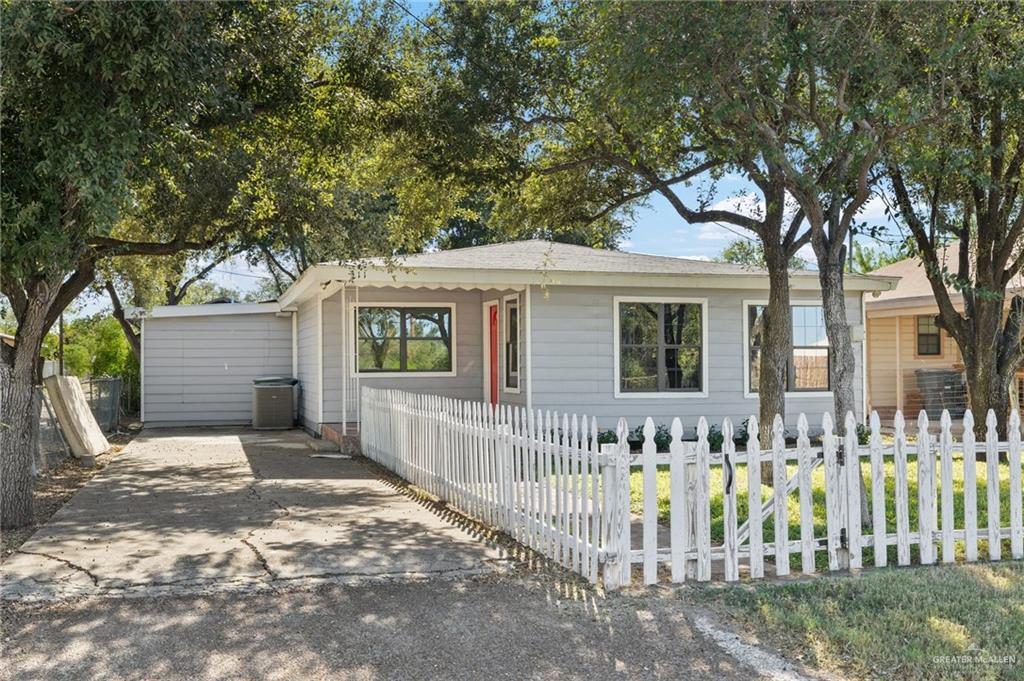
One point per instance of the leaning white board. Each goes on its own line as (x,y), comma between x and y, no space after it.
(76,419)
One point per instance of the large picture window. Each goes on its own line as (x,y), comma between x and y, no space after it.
(404,339)
(929,338)
(809,361)
(512,344)
(661,347)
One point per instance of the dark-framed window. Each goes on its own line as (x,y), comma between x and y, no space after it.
(404,339)
(929,337)
(512,344)
(808,363)
(661,347)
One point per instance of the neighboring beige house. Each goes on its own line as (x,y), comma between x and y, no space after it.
(912,364)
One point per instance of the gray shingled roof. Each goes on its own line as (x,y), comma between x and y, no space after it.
(558,257)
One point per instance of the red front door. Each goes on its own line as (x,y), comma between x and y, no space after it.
(493,353)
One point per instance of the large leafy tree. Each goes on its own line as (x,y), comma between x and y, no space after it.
(581,105)
(782,80)
(99,99)
(960,179)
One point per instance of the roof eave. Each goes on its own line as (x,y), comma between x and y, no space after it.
(211,310)
(440,277)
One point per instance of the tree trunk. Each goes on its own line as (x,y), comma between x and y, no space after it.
(19,432)
(842,370)
(843,363)
(988,384)
(776,348)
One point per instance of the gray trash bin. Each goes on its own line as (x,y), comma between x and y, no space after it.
(275,402)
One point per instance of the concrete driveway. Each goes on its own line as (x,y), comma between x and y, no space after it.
(190,511)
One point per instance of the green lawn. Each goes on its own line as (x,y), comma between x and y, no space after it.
(818,496)
(950,622)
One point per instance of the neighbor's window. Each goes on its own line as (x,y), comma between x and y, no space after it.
(809,361)
(407,339)
(512,344)
(660,347)
(929,340)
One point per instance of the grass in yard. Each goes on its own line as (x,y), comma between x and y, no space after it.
(948,622)
(818,496)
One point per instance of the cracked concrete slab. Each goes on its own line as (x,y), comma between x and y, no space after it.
(199,511)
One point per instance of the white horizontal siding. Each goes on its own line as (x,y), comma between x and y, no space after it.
(307,364)
(466,384)
(573,363)
(199,370)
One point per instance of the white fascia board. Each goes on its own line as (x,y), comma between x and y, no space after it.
(451,278)
(910,306)
(297,290)
(212,309)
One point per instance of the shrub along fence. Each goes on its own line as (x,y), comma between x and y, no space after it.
(692,513)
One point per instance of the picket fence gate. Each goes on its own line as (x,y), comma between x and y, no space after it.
(543,478)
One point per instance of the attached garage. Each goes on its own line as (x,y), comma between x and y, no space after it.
(198,362)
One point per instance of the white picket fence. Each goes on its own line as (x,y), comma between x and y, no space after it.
(530,475)
(544,479)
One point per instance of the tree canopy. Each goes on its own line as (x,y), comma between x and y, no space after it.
(959,179)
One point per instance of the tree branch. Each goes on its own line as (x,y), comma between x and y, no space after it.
(111,247)
(126,326)
(15,292)
(179,293)
(954,320)
(277,263)
(69,290)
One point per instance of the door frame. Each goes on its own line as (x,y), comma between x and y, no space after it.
(491,359)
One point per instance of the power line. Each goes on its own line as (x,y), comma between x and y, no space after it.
(242,274)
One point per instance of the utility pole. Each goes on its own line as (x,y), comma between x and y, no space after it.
(849,251)
(60,344)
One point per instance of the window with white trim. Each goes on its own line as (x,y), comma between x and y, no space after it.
(808,363)
(512,344)
(404,339)
(929,337)
(661,347)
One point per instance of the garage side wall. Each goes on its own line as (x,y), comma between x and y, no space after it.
(199,370)
(308,372)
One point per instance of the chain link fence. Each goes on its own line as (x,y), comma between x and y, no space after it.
(103,393)
(53,448)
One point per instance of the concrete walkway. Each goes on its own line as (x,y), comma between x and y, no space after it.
(192,511)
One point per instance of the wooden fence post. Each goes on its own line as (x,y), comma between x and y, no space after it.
(835,498)
(609,492)
(1016,512)
(623,514)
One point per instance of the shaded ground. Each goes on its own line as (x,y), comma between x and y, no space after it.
(246,558)
(54,487)
(495,626)
(197,511)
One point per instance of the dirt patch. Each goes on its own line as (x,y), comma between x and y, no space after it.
(53,489)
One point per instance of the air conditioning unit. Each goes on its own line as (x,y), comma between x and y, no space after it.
(274,402)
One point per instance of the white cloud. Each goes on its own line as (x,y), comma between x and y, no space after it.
(712,232)
(873,209)
(750,205)
(626,244)
(807,253)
